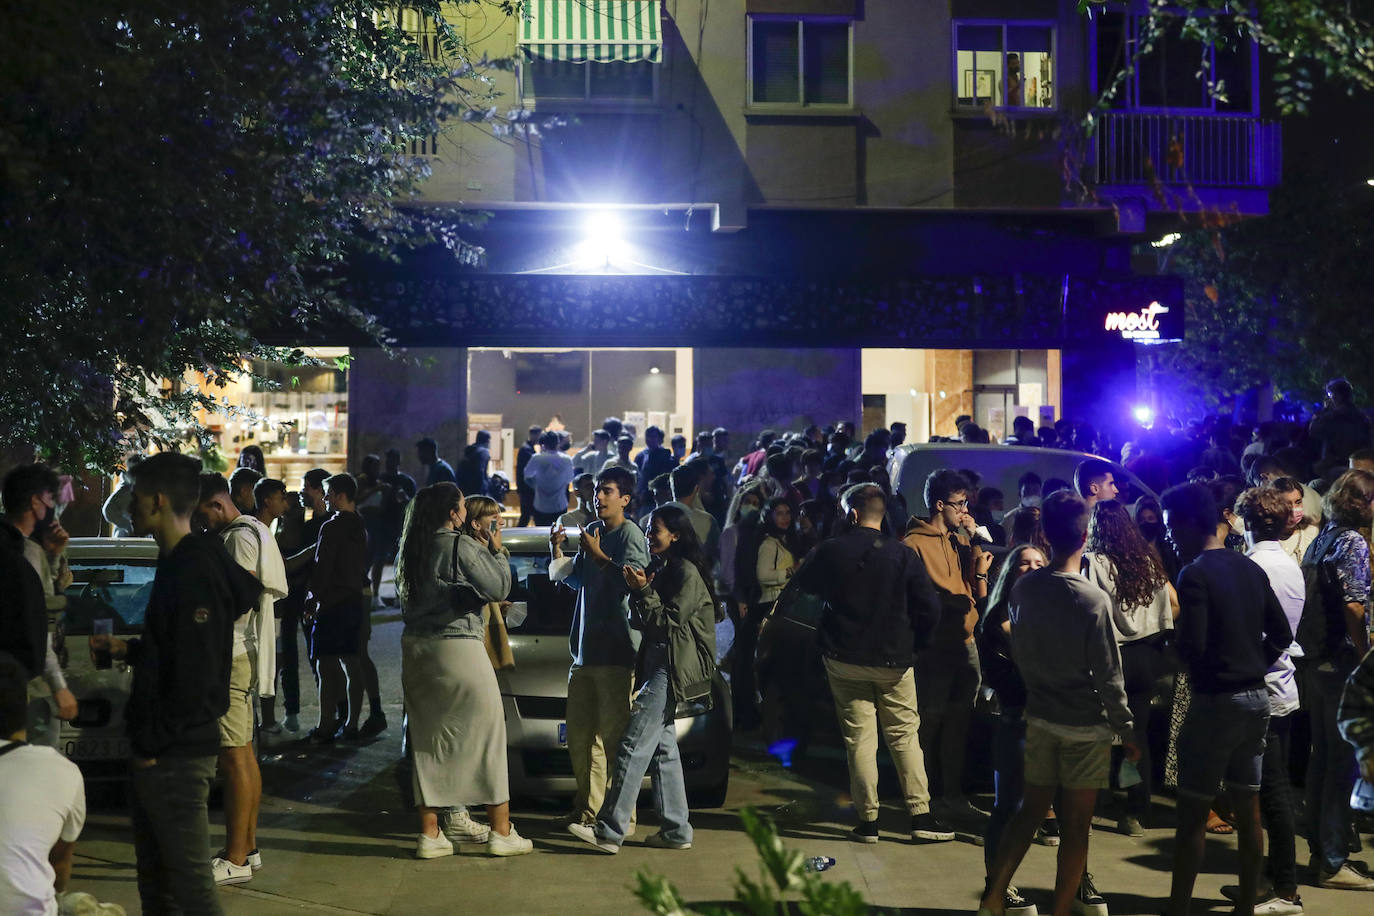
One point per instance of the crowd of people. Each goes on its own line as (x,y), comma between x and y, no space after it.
(1244,586)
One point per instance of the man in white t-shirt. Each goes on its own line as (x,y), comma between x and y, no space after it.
(549,472)
(42,808)
(251,545)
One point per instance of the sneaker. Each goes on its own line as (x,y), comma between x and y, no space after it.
(512,844)
(433,847)
(459,827)
(1263,892)
(865,832)
(588,835)
(349,735)
(1016,905)
(292,723)
(659,841)
(374,726)
(1088,902)
(1274,905)
(273,729)
(1130,826)
(961,809)
(1345,878)
(930,828)
(253,861)
(1048,833)
(320,736)
(227,872)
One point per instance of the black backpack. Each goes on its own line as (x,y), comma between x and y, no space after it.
(1321,628)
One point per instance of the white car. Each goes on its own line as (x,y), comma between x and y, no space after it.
(112,578)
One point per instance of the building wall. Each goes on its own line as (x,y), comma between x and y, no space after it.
(394,402)
(748,390)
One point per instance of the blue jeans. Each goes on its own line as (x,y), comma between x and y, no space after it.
(1222,740)
(648,745)
(1009,777)
(1331,769)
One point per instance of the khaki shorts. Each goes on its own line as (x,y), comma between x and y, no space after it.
(1055,761)
(236,725)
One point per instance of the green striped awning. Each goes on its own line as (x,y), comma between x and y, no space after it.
(604,31)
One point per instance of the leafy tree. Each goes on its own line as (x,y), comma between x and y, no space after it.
(1279,299)
(179,182)
(1310,41)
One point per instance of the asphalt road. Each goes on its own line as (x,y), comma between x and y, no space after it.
(334,839)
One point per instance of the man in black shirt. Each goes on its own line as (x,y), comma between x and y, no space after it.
(879,607)
(1230,629)
(523,488)
(181,686)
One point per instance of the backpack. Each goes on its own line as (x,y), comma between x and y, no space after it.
(1321,628)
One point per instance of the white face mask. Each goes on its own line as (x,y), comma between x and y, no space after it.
(1032,502)
(1237,525)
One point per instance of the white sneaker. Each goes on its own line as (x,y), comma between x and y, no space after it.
(227,872)
(1278,906)
(253,859)
(1345,879)
(512,844)
(588,835)
(433,847)
(459,827)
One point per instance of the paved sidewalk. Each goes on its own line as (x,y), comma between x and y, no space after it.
(334,841)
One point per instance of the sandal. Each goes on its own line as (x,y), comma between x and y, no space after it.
(1218,825)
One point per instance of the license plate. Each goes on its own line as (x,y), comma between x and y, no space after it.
(96,748)
(562,734)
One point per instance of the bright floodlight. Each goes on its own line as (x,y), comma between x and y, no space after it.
(1370,182)
(1144,415)
(601,239)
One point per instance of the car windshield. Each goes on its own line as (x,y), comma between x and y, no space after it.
(550,606)
(114,590)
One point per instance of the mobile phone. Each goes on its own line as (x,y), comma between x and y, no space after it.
(495,524)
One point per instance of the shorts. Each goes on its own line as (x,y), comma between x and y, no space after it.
(1222,740)
(1073,764)
(236,725)
(339,628)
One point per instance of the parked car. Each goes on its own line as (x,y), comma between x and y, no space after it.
(535,692)
(1000,465)
(111,580)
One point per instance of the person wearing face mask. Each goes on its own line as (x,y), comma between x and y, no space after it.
(947,670)
(672,605)
(1149,518)
(1230,529)
(30,498)
(1299,532)
(1009,737)
(740,520)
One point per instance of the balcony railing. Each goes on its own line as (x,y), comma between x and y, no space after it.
(1198,150)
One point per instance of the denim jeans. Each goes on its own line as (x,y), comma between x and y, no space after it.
(1009,777)
(648,745)
(1331,769)
(1222,740)
(1277,806)
(172,836)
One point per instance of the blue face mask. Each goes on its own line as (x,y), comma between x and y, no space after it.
(1032,502)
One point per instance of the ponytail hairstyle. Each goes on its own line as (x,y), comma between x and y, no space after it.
(426,514)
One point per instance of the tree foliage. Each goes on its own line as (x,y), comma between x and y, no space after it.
(1282,298)
(180,181)
(1310,41)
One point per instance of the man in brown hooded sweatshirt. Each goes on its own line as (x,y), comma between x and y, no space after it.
(947,672)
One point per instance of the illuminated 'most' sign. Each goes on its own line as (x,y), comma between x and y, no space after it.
(1144,325)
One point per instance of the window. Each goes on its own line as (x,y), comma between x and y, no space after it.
(1005,64)
(562,80)
(800,62)
(1167,76)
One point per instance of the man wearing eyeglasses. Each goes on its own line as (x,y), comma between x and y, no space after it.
(947,672)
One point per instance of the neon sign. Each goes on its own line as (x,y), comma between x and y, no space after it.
(1141,325)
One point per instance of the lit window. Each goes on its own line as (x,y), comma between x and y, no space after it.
(1004,64)
(799,62)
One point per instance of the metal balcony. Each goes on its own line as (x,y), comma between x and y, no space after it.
(1200,151)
